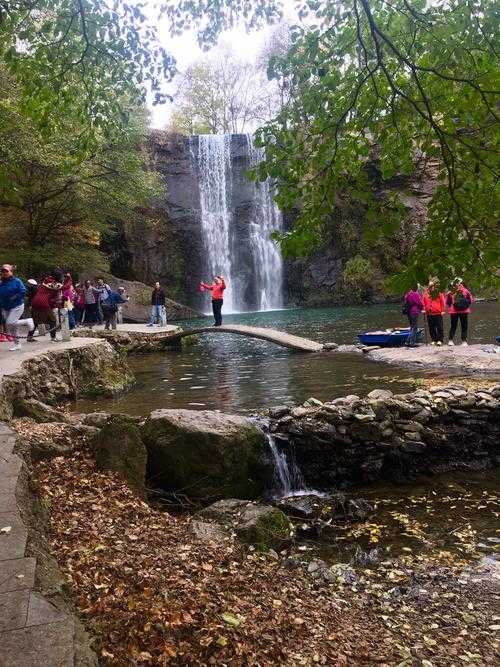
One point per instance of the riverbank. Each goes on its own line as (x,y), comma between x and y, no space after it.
(153,593)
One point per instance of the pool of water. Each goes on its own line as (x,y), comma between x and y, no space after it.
(236,374)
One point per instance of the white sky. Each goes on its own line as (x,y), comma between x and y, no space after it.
(185,49)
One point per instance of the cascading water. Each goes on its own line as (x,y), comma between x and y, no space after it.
(288,478)
(214,166)
(267,218)
(249,260)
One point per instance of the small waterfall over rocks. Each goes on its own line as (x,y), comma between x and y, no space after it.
(237,219)
(288,478)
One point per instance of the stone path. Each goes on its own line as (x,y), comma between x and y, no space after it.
(33,631)
(262,333)
(10,362)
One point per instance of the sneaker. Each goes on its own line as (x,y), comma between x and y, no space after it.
(150,325)
(450,342)
(15,347)
(433,343)
(439,343)
(464,342)
(31,340)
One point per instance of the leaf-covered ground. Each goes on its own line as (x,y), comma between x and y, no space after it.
(152,594)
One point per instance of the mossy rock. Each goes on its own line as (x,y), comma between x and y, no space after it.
(119,447)
(264,526)
(207,455)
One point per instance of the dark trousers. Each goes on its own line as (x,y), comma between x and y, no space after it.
(435,323)
(464,323)
(412,338)
(217,309)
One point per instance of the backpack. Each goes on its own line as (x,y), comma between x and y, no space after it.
(462,302)
(405,308)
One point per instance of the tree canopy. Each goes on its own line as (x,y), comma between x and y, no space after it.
(389,85)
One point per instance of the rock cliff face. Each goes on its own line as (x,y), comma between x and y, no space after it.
(347,268)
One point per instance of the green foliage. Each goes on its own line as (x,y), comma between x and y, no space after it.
(55,198)
(357,277)
(381,90)
(85,57)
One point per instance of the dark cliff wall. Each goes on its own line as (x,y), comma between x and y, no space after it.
(348,268)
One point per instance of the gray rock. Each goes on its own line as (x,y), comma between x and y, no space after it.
(306,506)
(312,402)
(300,412)
(40,412)
(119,447)
(416,447)
(207,532)
(97,419)
(330,346)
(206,454)
(278,411)
(414,427)
(380,394)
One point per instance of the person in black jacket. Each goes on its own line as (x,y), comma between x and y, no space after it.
(158,312)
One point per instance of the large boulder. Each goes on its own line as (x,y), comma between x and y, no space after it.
(119,447)
(40,412)
(206,455)
(263,525)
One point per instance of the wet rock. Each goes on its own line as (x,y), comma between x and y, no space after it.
(207,455)
(312,402)
(119,447)
(97,419)
(416,447)
(278,411)
(330,346)
(40,412)
(414,427)
(224,511)
(300,412)
(306,506)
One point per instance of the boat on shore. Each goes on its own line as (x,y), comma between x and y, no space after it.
(388,337)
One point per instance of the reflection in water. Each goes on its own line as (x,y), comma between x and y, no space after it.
(237,374)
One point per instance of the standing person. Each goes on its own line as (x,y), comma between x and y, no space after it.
(434,307)
(110,307)
(79,304)
(91,299)
(12,293)
(412,308)
(158,313)
(104,291)
(217,288)
(69,296)
(43,306)
(459,301)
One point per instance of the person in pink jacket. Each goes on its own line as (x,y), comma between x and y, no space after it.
(459,301)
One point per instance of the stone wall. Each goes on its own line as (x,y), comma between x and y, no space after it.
(355,440)
(95,368)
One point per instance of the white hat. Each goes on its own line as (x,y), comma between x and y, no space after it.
(32,281)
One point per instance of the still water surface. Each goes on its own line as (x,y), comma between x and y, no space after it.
(235,374)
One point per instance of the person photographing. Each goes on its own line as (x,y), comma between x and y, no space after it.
(217,288)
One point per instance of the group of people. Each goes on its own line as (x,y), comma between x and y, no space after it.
(433,302)
(36,304)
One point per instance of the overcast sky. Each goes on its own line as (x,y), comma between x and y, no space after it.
(185,49)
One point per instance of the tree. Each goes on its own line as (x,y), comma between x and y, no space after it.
(220,95)
(84,57)
(54,201)
(380,86)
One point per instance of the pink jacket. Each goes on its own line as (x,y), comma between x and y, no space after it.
(450,301)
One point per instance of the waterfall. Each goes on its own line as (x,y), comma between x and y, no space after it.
(267,218)
(214,164)
(249,260)
(288,478)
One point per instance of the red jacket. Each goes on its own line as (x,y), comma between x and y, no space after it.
(450,301)
(433,306)
(45,298)
(217,289)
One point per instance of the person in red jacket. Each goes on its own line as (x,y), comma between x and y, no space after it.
(217,288)
(434,307)
(43,305)
(458,300)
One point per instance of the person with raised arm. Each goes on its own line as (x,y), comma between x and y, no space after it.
(217,288)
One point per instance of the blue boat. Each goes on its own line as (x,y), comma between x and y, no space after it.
(498,339)
(388,337)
